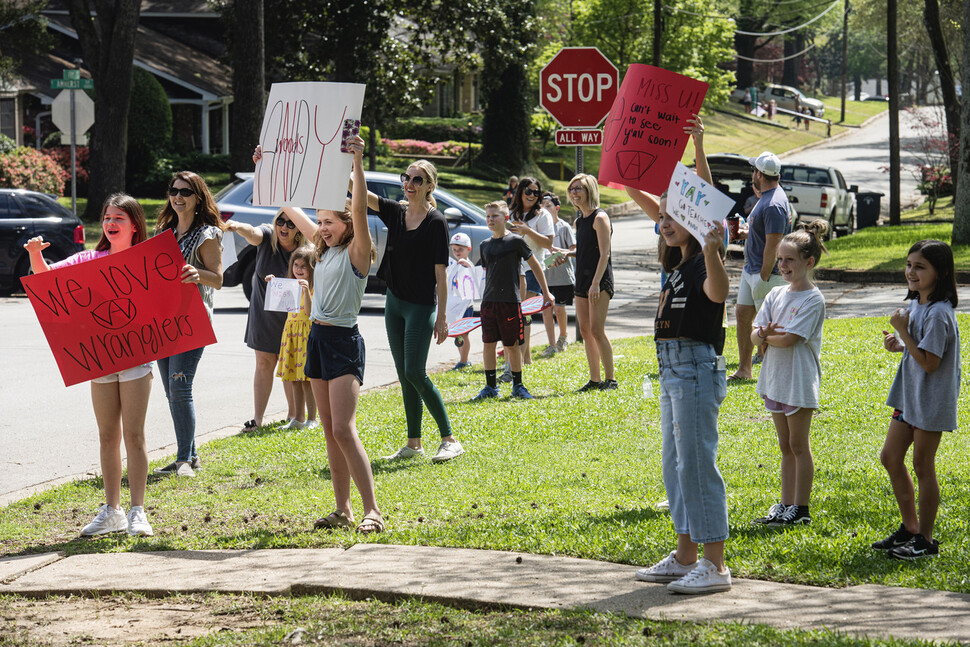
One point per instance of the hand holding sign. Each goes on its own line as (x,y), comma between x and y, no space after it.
(694,204)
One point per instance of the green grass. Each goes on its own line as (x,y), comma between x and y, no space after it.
(885,248)
(856,112)
(565,474)
(942,213)
(336,620)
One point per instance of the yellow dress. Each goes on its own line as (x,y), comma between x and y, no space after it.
(293,346)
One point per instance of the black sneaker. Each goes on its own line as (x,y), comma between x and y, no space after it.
(794,515)
(590,386)
(774,512)
(899,538)
(609,385)
(916,548)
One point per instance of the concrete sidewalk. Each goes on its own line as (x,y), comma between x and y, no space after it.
(478,578)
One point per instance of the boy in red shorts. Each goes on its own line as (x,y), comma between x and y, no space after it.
(501,306)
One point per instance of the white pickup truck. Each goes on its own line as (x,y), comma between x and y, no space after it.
(820,192)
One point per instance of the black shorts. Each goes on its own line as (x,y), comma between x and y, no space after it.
(502,321)
(563,294)
(605,286)
(332,351)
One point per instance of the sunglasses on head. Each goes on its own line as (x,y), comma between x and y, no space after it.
(172,191)
(283,222)
(531,192)
(416,180)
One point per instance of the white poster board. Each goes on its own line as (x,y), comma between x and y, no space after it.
(695,204)
(302,165)
(229,257)
(282,295)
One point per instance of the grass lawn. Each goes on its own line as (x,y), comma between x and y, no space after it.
(885,248)
(855,111)
(942,213)
(565,474)
(335,620)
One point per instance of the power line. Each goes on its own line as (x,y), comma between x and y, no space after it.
(785,58)
(752,33)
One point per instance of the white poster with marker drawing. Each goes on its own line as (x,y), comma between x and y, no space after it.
(695,204)
(282,295)
(303,126)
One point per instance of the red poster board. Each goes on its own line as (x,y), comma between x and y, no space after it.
(644,136)
(119,311)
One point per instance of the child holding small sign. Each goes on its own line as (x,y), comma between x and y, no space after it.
(120,399)
(460,294)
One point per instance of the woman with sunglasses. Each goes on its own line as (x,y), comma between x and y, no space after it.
(191,214)
(530,220)
(274,243)
(413,267)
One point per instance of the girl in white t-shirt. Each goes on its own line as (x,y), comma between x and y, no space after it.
(788,332)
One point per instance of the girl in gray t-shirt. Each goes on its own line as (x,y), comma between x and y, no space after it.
(923,394)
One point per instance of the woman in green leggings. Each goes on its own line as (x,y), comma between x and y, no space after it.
(413,267)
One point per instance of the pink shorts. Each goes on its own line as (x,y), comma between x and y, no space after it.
(778,407)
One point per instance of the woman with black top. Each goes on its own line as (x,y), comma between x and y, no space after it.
(594,278)
(413,267)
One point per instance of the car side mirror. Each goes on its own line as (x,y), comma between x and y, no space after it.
(453,213)
(854,188)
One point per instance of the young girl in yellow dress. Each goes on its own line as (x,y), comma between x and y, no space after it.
(301,408)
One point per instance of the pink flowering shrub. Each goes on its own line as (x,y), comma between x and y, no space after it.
(62,155)
(26,168)
(419,148)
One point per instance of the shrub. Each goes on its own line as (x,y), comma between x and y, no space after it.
(62,155)
(26,168)
(437,129)
(420,148)
(7,145)
(149,129)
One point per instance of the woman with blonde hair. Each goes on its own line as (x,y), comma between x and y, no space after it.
(274,243)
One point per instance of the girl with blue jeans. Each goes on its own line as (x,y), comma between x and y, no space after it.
(693,383)
(193,217)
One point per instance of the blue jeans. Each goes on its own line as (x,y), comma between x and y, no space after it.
(177,373)
(692,388)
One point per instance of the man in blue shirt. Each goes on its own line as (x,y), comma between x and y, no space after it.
(767,225)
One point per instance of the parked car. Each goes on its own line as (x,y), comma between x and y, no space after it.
(235,201)
(731,174)
(821,192)
(25,214)
(784,97)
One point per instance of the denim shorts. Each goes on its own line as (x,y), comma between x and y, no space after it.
(332,351)
(532,283)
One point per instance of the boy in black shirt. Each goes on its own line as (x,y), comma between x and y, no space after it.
(501,308)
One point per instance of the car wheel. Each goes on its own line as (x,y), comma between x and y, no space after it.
(832,232)
(247,281)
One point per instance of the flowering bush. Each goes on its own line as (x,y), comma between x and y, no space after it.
(420,148)
(935,182)
(62,155)
(26,168)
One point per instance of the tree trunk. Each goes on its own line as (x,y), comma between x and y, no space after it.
(857,82)
(107,42)
(892,74)
(951,105)
(961,174)
(505,132)
(794,43)
(745,47)
(248,82)
(879,85)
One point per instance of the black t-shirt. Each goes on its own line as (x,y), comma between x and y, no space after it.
(685,311)
(500,258)
(410,256)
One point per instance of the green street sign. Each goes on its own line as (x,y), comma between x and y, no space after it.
(72,84)
(72,75)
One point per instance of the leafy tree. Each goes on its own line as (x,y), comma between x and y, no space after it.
(697,47)
(149,128)
(106,32)
(622,29)
(22,32)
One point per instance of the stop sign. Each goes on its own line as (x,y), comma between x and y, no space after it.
(577,86)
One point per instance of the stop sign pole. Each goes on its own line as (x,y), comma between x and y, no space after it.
(577,87)
(70,83)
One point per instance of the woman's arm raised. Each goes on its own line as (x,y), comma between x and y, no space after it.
(361,245)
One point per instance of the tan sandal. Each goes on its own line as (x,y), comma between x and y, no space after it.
(335,520)
(370,524)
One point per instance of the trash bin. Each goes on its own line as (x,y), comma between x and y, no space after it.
(867,209)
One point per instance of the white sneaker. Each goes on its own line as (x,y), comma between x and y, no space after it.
(138,525)
(549,351)
(295,424)
(561,344)
(404,452)
(705,578)
(107,520)
(447,451)
(311,424)
(663,505)
(666,570)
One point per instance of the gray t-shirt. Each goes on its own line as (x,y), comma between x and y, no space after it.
(564,238)
(929,400)
(792,375)
(769,216)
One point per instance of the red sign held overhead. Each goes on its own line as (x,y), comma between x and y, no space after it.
(592,137)
(578,86)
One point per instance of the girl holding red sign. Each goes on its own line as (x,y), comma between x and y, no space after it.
(120,399)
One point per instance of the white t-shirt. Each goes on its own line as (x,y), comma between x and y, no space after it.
(542,224)
(792,375)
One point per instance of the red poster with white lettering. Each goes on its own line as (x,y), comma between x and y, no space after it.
(119,311)
(644,136)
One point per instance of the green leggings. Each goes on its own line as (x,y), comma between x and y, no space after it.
(409,330)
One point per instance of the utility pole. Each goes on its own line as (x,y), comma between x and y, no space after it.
(892,74)
(845,55)
(657,31)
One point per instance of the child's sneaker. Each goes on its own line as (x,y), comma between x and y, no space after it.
(459,366)
(609,385)
(138,525)
(506,376)
(519,391)
(916,548)
(107,520)
(793,515)
(549,351)
(486,393)
(403,453)
(899,538)
(666,570)
(774,512)
(561,344)
(704,578)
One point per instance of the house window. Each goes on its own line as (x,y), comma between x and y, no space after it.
(8,118)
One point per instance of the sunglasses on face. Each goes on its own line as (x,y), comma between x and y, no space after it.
(575,189)
(416,180)
(172,191)
(530,192)
(283,222)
